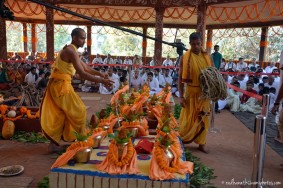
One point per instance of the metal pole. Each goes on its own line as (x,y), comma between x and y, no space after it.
(212,129)
(259,150)
(265,105)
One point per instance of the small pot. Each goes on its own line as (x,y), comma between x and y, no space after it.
(83,156)
(168,153)
(106,127)
(118,123)
(121,149)
(97,141)
(134,131)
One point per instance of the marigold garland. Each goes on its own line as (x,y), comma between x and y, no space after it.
(81,144)
(30,116)
(162,163)
(126,159)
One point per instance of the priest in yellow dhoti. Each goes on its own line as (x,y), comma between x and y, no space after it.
(194,118)
(62,111)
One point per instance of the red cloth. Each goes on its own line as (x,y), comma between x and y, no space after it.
(245,97)
(144,146)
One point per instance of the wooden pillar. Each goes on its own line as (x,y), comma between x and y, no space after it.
(33,37)
(25,37)
(201,21)
(263,44)
(89,41)
(49,34)
(3,39)
(144,44)
(158,34)
(209,41)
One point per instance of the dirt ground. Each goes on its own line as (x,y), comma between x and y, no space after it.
(230,151)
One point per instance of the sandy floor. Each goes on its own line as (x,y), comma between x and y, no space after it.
(230,151)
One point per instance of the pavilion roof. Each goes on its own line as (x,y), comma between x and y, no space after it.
(178,13)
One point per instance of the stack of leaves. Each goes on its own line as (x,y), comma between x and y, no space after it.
(44,183)
(202,174)
(31,137)
(121,136)
(177,111)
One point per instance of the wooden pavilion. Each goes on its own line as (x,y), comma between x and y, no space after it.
(202,15)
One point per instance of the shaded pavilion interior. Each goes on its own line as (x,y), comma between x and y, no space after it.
(202,15)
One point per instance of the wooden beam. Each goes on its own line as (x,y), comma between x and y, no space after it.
(33,37)
(158,35)
(245,25)
(165,25)
(50,34)
(209,41)
(132,3)
(144,44)
(3,39)
(201,22)
(263,44)
(216,2)
(25,37)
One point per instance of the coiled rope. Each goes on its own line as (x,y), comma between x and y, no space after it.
(212,84)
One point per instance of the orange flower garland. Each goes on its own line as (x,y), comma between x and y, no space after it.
(162,163)
(80,144)
(12,119)
(125,160)
(30,116)
(3,109)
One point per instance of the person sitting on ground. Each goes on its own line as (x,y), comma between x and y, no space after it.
(97,60)
(270,68)
(253,65)
(30,57)
(230,66)
(41,75)
(241,65)
(16,57)
(137,60)
(114,87)
(136,81)
(152,62)
(234,79)
(168,79)
(159,77)
(31,77)
(222,65)
(260,89)
(233,98)
(117,60)
(245,97)
(152,83)
(167,61)
(108,60)
(128,61)
(42,84)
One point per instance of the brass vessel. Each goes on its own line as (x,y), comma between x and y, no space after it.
(83,156)
(168,153)
(96,141)
(134,131)
(121,147)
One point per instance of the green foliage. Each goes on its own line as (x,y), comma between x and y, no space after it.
(31,137)
(44,183)
(177,111)
(118,140)
(202,174)
(82,137)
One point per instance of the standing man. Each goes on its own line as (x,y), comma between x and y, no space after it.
(217,60)
(278,105)
(62,111)
(194,118)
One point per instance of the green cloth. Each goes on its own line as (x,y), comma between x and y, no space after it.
(217,58)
